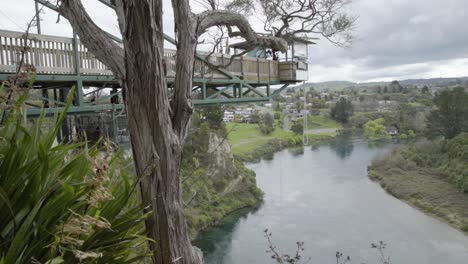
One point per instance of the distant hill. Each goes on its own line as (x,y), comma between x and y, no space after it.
(339,85)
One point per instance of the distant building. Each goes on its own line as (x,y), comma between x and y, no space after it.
(392,131)
(228,116)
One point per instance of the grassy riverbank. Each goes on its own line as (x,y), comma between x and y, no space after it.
(431,176)
(249,144)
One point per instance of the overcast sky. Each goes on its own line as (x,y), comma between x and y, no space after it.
(395,39)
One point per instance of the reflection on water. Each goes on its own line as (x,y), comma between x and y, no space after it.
(215,241)
(297,151)
(342,147)
(324,198)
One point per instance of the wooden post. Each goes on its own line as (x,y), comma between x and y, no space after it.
(269,72)
(79,83)
(292,63)
(242,66)
(76,55)
(258,70)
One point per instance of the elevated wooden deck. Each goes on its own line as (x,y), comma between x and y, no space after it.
(61,63)
(52,55)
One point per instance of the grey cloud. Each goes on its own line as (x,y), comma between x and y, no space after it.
(389,33)
(396,32)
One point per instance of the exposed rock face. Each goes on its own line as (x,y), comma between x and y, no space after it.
(221,160)
(223,185)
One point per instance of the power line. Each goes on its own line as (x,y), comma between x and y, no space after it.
(11,20)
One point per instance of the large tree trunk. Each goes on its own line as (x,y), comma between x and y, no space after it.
(157,132)
(158,124)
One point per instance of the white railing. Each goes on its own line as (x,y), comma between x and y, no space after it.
(56,55)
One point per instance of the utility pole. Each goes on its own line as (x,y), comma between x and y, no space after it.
(38,17)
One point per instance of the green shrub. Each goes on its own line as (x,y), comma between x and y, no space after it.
(65,202)
(464,227)
(375,129)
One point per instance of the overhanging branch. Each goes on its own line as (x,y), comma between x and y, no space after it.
(213,18)
(93,37)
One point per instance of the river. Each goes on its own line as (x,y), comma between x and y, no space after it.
(324,198)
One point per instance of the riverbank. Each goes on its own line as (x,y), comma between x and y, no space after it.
(316,197)
(250,145)
(428,176)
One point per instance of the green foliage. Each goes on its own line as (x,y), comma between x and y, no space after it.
(448,157)
(267,124)
(213,114)
(297,128)
(424,172)
(450,117)
(342,110)
(375,128)
(65,202)
(255,118)
(277,115)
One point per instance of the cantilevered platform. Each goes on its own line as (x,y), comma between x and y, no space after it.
(61,63)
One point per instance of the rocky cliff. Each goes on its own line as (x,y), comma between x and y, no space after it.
(215,183)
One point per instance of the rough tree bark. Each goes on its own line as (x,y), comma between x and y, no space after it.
(158,124)
(157,129)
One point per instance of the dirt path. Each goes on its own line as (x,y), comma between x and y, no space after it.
(321,131)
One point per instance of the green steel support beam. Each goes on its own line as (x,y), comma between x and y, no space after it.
(74,109)
(115,129)
(47,99)
(230,101)
(221,91)
(240,90)
(278,91)
(204,90)
(79,93)
(31,112)
(250,90)
(100,99)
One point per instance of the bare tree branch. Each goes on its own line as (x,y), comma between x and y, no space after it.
(208,19)
(105,49)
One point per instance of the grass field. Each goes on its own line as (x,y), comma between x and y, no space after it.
(321,121)
(245,138)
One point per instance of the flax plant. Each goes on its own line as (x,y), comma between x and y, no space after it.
(64,202)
